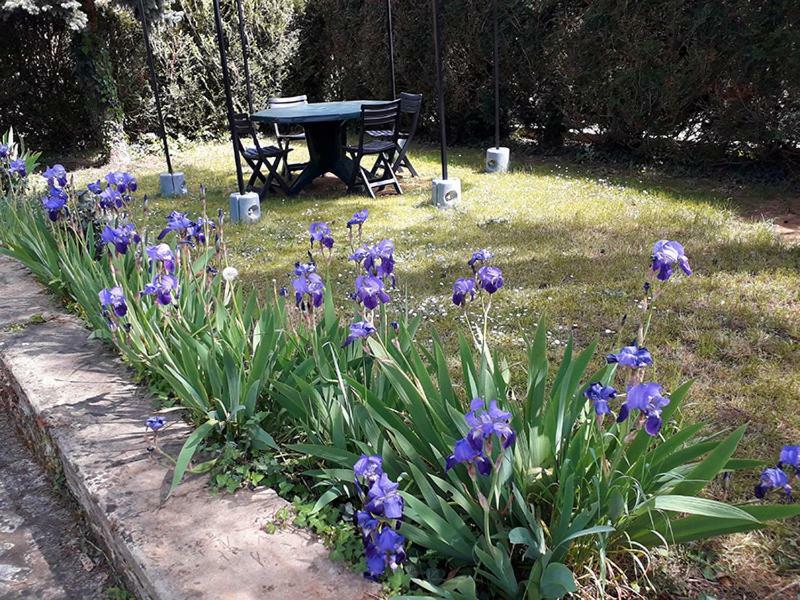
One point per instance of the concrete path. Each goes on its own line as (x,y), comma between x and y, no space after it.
(43,551)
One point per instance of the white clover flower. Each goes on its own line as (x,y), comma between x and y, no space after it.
(230,273)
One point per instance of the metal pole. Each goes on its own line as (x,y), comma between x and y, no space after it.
(390,31)
(496,78)
(154,84)
(245,56)
(437,51)
(223,59)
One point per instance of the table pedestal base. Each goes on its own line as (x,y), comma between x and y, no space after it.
(326,150)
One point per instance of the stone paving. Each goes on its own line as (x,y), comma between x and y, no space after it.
(43,551)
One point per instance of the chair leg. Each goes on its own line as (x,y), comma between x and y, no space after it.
(407,164)
(367,184)
(274,174)
(402,161)
(392,175)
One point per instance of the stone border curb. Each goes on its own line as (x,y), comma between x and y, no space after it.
(75,399)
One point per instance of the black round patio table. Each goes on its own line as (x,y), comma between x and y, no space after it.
(324,124)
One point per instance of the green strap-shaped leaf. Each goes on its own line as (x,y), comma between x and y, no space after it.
(187,452)
(710,466)
(557,581)
(688,529)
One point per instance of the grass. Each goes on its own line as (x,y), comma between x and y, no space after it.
(573,242)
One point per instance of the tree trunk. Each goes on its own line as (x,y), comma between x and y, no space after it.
(97,72)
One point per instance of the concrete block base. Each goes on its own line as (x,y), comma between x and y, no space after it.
(172,185)
(245,208)
(446,192)
(497,160)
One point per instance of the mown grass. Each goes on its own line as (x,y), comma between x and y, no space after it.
(573,242)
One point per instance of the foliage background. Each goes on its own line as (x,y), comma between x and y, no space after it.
(716,82)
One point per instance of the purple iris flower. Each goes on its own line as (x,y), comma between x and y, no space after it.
(667,254)
(462,288)
(110,199)
(113,298)
(54,203)
(310,285)
(377,260)
(631,356)
(359,330)
(600,394)
(321,233)
(121,236)
(773,478)
(176,221)
(647,398)
(359,218)
(482,255)
(385,550)
(196,231)
(123,182)
(490,279)
(56,173)
(164,287)
(17,167)
(383,499)
(162,253)
(366,522)
(359,254)
(3,150)
(95,187)
(301,269)
(155,423)
(465,452)
(370,292)
(483,425)
(790,455)
(369,468)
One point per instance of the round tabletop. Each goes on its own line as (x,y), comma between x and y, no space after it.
(316,112)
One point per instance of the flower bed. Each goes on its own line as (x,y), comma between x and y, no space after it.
(513,492)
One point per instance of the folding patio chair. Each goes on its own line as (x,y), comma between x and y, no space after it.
(410,105)
(387,118)
(285,137)
(258,156)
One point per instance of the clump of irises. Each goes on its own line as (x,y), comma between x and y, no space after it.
(647,399)
(779,477)
(380,517)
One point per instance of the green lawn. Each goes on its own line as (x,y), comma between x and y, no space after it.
(573,243)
